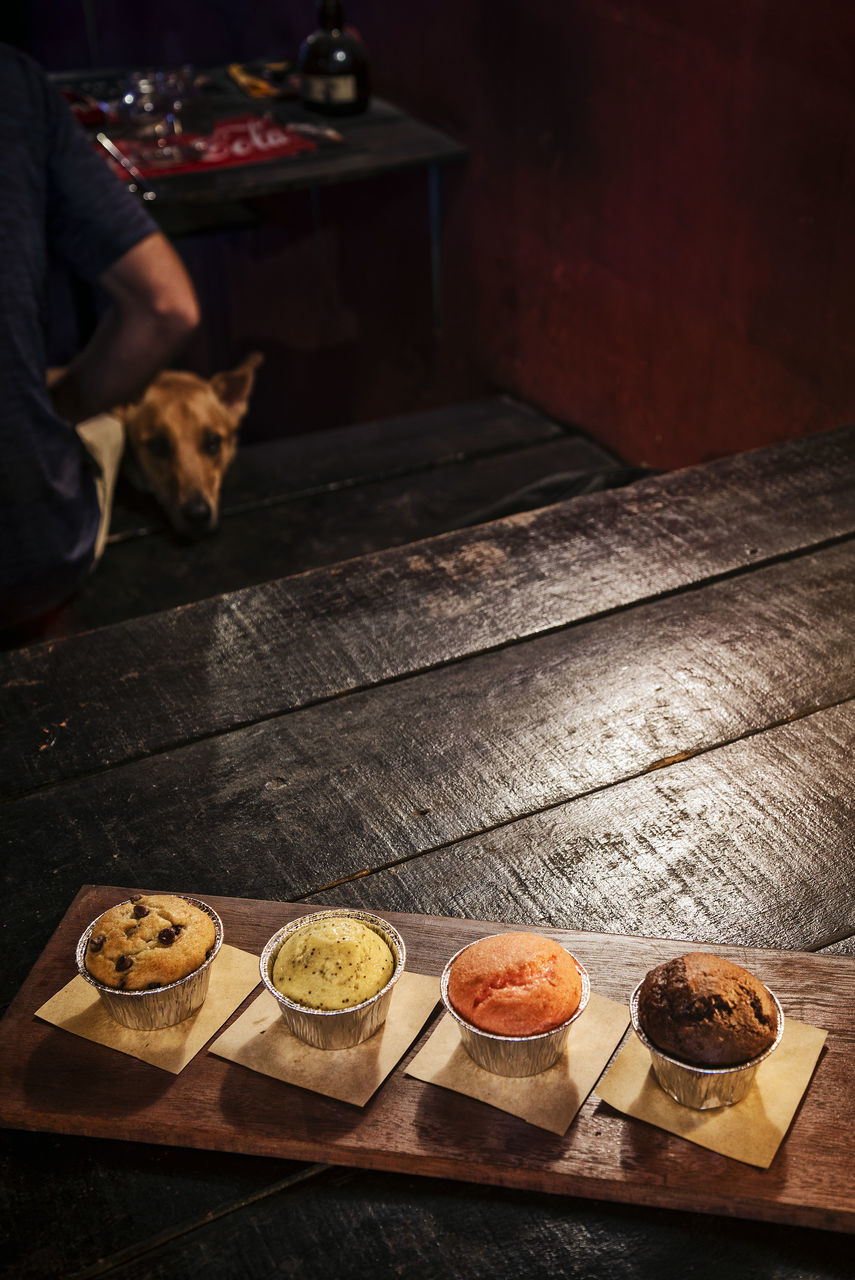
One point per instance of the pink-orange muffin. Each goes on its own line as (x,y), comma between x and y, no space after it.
(515,984)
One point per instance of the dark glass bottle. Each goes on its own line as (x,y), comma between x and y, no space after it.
(333,66)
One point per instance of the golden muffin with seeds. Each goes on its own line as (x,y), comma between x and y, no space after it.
(333,963)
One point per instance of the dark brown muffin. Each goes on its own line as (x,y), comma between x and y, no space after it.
(707,1011)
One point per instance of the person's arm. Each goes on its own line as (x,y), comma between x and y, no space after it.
(152,313)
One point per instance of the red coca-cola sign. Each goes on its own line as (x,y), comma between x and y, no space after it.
(239,140)
(249,139)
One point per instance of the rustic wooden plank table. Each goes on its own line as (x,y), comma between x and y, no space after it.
(627,715)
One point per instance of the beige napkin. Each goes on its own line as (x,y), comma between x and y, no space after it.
(750,1130)
(549,1100)
(78,1008)
(259,1039)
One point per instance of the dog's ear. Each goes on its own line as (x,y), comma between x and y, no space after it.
(124,412)
(235,387)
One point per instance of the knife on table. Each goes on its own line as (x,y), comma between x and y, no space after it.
(138,183)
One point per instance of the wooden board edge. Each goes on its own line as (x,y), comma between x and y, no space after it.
(815,1217)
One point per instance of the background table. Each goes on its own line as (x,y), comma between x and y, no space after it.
(381,140)
(631,713)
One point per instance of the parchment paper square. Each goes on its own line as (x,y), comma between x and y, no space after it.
(259,1039)
(750,1130)
(78,1008)
(549,1100)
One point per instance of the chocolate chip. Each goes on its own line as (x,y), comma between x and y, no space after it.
(136,897)
(166,937)
(96,941)
(123,964)
(176,929)
(140,911)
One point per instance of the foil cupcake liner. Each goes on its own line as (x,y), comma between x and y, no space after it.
(702,1088)
(513,1055)
(335,1028)
(161,1006)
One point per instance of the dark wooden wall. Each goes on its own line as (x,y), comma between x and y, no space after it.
(652,237)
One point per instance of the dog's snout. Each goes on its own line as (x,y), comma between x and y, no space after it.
(196,515)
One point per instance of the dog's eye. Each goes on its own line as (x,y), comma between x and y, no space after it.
(159,446)
(212,443)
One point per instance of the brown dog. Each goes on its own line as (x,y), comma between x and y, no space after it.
(181,438)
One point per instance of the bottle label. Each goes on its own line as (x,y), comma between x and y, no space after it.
(328,89)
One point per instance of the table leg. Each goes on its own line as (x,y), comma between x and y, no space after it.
(435,216)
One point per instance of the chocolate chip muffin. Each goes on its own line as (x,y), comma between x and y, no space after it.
(706,1011)
(149,941)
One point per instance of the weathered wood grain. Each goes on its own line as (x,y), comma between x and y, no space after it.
(430,1228)
(748,844)
(53,1082)
(203,669)
(376,776)
(845,947)
(108,1179)
(291,805)
(535,723)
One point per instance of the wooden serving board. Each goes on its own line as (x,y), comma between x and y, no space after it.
(56,1082)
